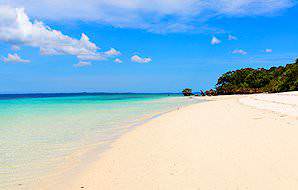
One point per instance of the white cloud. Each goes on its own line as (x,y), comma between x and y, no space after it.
(139,59)
(268,50)
(82,64)
(97,56)
(231,37)
(16,28)
(215,41)
(14,58)
(152,15)
(117,60)
(15,47)
(239,51)
(112,52)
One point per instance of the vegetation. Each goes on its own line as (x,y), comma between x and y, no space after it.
(248,80)
(187,92)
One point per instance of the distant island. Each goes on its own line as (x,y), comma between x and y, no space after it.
(249,81)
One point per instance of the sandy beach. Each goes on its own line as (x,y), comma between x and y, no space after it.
(229,142)
(148,95)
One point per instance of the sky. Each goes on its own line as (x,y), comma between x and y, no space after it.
(139,45)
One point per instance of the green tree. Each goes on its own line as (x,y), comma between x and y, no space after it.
(248,80)
(187,92)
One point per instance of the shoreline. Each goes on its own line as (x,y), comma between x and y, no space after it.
(189,149)
(133,162)
(81,159)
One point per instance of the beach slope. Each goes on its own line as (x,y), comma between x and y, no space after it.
(219,144)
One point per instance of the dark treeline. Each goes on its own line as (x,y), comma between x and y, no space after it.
(248,80)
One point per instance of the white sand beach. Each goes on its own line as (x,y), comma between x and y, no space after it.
(286,103)
(229,142)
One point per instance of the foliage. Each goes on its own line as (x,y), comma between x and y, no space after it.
(187,92)
(210,92)
(248,80)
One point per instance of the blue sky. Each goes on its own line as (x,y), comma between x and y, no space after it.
(139,46)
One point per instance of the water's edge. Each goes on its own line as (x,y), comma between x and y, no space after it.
(93,155)
(43,120)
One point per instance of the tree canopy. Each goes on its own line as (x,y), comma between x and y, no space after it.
(248,80)
(187,92)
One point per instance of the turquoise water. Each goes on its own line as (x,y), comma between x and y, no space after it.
(37,135)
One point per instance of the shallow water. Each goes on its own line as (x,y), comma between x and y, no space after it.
(38,132)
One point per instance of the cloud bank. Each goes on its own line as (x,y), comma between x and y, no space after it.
(17,29)
(152,15)
(14,58)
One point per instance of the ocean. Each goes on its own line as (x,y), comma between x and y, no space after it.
(40,133)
